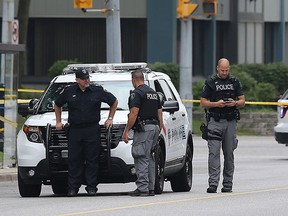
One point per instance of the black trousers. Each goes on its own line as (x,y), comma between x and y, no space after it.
(83,156)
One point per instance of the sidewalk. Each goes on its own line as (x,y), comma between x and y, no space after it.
(8,174)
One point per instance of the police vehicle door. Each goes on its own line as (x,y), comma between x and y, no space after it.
(173,123)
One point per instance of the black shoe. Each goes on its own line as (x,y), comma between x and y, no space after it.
(226,190)
(151,193)
(212,189)
(139,193)
(91,191)
(72,192)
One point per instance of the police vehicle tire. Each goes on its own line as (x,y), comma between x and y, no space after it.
(159,170)
(28,190)
(59,186)
(182,182)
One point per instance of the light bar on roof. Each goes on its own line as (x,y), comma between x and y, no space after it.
(107,67)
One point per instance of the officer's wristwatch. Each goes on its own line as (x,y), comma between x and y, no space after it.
(110,118)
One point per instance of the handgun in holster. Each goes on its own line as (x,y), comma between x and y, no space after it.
(139,125)
(204,130)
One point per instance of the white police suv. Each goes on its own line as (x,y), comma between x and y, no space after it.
(281,129)
(42,151)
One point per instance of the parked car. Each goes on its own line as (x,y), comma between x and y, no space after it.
(281,129)
(42,150)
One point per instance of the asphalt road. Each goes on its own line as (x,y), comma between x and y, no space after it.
(260,189)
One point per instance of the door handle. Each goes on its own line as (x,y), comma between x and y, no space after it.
(173,118)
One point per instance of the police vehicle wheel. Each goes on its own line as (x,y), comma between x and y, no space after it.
(182,182)
(159,170)
(59,186)
(28,190)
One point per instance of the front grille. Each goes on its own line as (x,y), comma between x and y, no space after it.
(57,145)
(59,138)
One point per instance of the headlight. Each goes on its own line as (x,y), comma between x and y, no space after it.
(33,133)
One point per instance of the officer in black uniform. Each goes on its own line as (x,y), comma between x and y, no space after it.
(84,105)
(222,95)
(145,118)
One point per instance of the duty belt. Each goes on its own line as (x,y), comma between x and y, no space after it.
(150,121)
(228,116)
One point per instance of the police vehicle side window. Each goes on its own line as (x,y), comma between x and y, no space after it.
(159,89)
(162,86)
(47,101)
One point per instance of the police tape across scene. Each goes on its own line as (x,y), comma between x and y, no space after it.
(184,100)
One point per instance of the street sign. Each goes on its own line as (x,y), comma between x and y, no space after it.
(15,32)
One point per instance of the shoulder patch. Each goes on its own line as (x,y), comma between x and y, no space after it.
(132,96)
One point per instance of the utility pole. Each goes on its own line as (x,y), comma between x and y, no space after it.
(7,18)
(9,110)
(210,9)
(185,9)
(113,32)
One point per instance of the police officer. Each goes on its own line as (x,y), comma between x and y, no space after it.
(222,95)
(84,104)
(145,118)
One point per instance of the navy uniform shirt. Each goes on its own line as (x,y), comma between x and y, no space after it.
(147,100)
(84,107)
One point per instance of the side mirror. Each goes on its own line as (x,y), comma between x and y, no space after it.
(32,103)
(170,106)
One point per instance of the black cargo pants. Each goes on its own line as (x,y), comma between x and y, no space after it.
(83,155)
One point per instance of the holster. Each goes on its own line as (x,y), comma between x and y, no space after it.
(139,125)
(204,130)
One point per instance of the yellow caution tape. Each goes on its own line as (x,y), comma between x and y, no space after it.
(24,90)
(14,124)
(30,90)
(247,102)
(20,101)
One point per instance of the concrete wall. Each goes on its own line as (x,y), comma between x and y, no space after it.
(260,123)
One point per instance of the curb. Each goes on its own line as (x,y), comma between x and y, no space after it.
(8,175)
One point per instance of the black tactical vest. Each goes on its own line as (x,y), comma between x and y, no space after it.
(149,102)
(222,89)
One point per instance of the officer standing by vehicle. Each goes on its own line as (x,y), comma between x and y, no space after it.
(222,95)
(145,118)
(84,105)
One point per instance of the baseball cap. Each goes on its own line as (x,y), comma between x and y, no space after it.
(82,74)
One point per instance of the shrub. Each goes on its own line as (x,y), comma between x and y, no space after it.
(172,70)
(58,66)
(248,83)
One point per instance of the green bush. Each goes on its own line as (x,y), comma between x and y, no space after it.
(172,70)
(248,83)
(58,66)
(274,73)
(197,89)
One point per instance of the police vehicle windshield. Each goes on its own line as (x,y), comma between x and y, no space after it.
(121,90)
